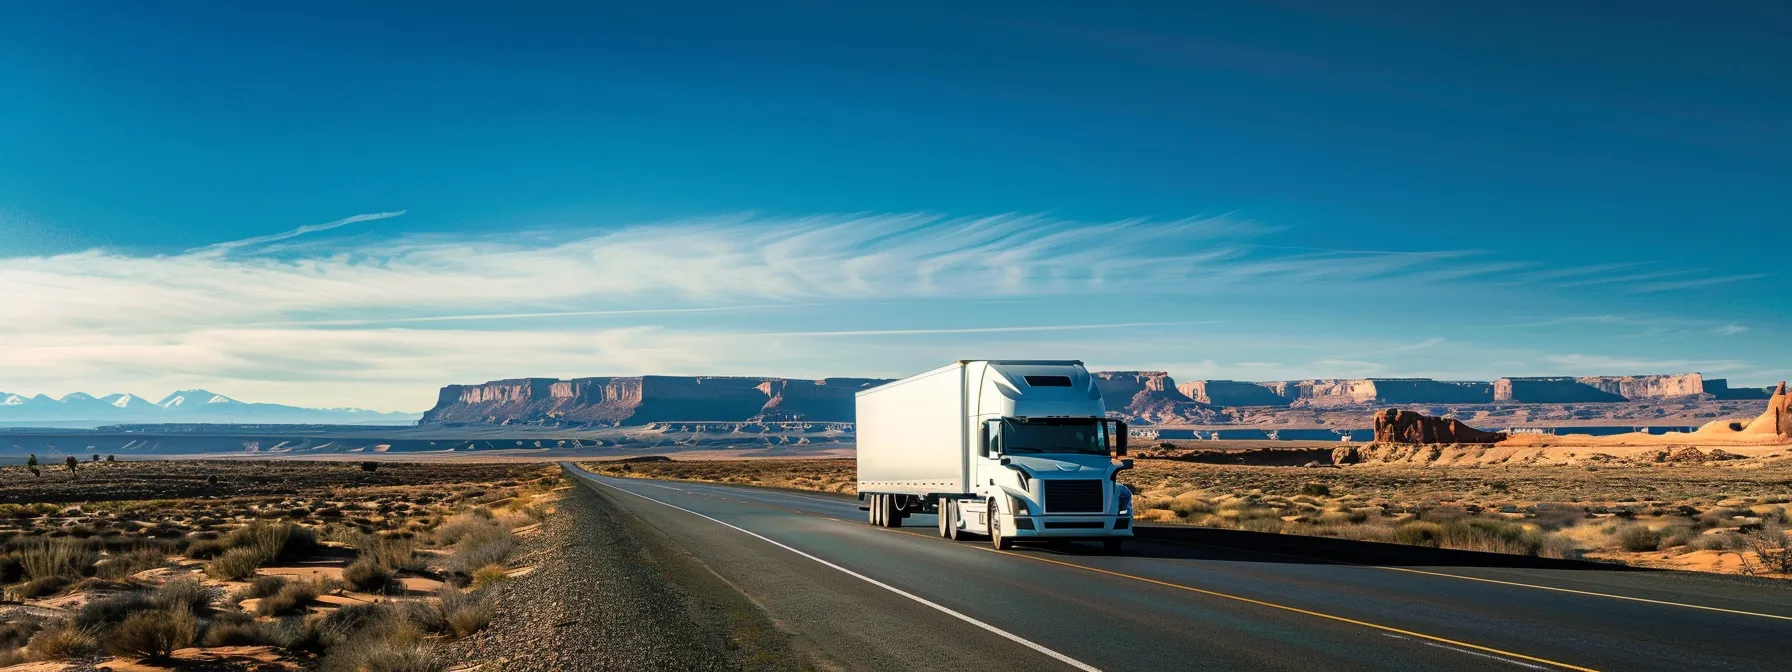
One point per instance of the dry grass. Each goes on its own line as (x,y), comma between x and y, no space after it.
(400,519)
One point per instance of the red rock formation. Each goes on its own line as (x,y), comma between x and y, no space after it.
(1780,407)
(1149,397)
(1396,426)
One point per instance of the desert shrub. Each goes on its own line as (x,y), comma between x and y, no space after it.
(12,570)
(391,552)
(206,549)
(463,613)
(17,630)
(262,586)
(273,541)
(1188,504)
(62,640)
(106,612)
(488,576)
(240,630)
(187,593)
(292,598)
(1721,541)
(1638,538)
(370,466)
(1419,533)
(368,576)
(121,566)
(236,564)
(1316,490)
(454,528)
(154,634)
(44,587)
(1677,536)
(57,557)
(385,653)
(486,545)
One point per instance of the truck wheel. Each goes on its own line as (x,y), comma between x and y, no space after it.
(952,516)
(995,528)
(874,507)
(892,516)
(1112,545)
(945,519)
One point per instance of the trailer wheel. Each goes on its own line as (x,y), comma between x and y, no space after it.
(874,509)
(952,516)
(892,515)
(995,528)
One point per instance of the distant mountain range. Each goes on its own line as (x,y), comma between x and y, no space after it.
(186,406)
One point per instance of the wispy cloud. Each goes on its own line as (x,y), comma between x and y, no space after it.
(1731,329)
(1650,287)
(310,228)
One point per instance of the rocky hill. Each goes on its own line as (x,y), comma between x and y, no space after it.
(1141,397)
(639,400)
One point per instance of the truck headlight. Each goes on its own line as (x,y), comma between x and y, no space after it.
(1125,498)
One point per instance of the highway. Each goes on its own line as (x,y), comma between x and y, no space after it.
(904,599)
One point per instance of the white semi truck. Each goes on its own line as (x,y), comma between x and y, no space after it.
(1013,450)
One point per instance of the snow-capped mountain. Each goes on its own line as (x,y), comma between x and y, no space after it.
(80,409)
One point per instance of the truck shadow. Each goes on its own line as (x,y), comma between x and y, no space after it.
(1198,543)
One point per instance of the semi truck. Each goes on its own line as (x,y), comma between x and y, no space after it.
(1006,449)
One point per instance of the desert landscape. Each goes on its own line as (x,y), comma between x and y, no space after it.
(259,565)
(1715,500)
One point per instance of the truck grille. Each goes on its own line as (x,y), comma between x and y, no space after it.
(1073,496)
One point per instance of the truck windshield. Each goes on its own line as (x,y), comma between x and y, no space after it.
(1083,437)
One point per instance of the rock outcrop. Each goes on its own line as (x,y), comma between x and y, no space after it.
(1780,408)
(638,400)
(1397,426)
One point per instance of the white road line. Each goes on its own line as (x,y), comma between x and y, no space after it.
(942,609)
(1502,659)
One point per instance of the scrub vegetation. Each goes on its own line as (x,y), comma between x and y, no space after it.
(293,571)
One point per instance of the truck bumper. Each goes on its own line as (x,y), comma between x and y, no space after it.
(1071,527)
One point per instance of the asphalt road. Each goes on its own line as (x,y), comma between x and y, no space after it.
(904,599)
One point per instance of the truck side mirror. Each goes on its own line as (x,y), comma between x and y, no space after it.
(1119,439)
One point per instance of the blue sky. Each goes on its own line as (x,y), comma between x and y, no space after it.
(1278,190)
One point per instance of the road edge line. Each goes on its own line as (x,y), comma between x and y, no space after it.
(924,601)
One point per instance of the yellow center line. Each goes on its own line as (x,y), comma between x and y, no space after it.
(1517,584)
(1272,605)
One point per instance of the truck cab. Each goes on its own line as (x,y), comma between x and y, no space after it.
(1044,462)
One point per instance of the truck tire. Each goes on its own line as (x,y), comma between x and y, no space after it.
(941,508)
(995,528)
(1113,545)
(952,516)
(892,515)
(874,509)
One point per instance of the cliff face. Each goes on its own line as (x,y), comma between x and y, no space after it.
(1550,391)
(644,399)
(1648,387)
(1232,393)
(1149,396)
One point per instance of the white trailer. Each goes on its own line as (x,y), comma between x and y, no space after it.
(1017,449)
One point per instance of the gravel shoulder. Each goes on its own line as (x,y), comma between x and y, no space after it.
(608,592)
